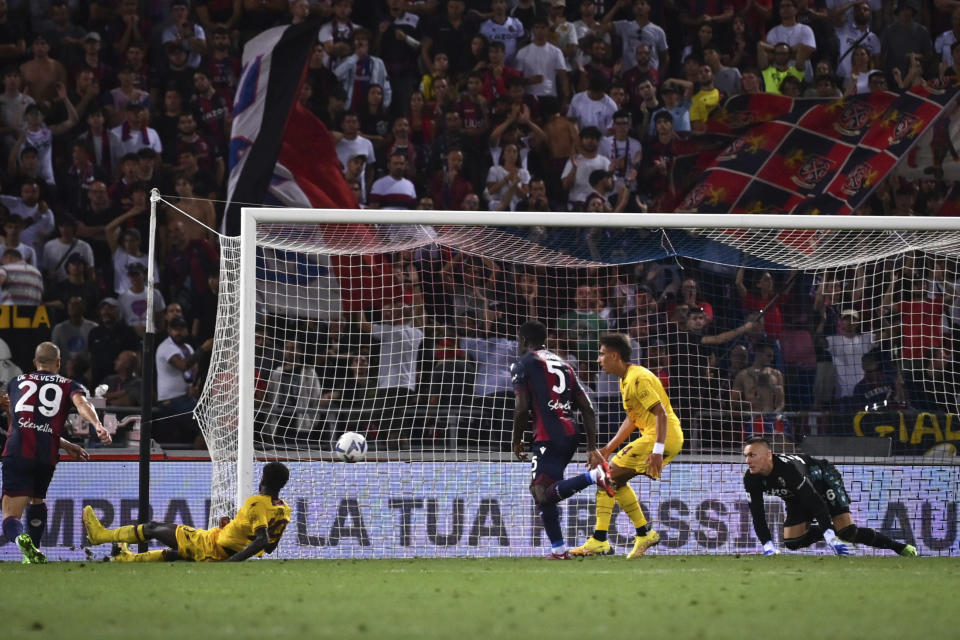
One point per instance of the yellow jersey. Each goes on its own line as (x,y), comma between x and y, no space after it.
(258,511)
(640,390)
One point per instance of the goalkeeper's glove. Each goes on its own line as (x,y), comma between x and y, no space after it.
(834,543)
(769,549)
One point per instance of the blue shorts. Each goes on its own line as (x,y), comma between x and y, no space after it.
(26,477)
(550,459)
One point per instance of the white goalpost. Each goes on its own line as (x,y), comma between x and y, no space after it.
(831,335)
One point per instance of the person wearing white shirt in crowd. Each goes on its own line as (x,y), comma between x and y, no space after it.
(563,33)
(72,334)
(12,229)
(944,42)
(793,33)
(502,28)
(838,12)
(847,349)
(360,70)
(507,178)
(625,152)
(53,260)
(856,32)
(20,283)
(125,247)
(588,27)
(134,134)
(37,218)
(541,63)
(133,301)
(640,29)
(393,191)
(336,35)
(593,107)
(576,173)
(185,32)
(351,144)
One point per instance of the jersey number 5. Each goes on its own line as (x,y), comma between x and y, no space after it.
(556,367)
(49,397)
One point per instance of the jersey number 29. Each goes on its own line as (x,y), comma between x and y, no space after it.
(49,397)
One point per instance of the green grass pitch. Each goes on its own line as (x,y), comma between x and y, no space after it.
(655,597)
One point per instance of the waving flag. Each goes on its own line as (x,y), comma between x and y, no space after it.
(280,152)
(810,156)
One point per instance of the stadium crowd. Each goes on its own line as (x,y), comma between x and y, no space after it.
(521,105)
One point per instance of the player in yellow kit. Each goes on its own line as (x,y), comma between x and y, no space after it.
(255,530)
(648,409)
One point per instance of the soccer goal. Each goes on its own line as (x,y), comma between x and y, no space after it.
(834,336)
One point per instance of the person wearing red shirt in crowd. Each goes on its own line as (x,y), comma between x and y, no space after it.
(211,109)
(448,187)
(186,267)
(497,73)
(763,296)
(221,66)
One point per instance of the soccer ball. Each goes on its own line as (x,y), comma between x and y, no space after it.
(351,447)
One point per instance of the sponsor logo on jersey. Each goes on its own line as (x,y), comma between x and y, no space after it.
(24,423)
(557,405)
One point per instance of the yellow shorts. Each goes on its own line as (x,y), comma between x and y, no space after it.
(199,545)
(634,455)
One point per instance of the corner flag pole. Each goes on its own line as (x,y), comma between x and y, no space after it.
(146,368)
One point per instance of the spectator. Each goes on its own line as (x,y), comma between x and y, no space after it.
(726,79)
(563,34)
(119,97)
(398,42)
(781,68)
(358,71)
(640,29)
(177,75)
(421,122)
(497,73)
(186,267)
(209,158)
(762,385)
(676,105)
(797,36)
(39,136)
(133,301)
(502,28)
(124,384)
(106,146)
(77,283)
(880,388)
(657,171)
(42,75)
(13,104)
(905,38)
(221,66)
(593,107)
(374,121)
(576,173)
(847,349)
(177,386)
(198,215)
(81,173)
(351,143)
(505,178)
(741,48)
(336,36)
(56,252)
(583,326)
(72,335)
(183,31)
(292,400)
(20,282)
(764,298)
(211,109)
(35,215)
(12,229)
(448,187)
(589,30)
(542,64)
(855,33)
(134,134)
(394,191)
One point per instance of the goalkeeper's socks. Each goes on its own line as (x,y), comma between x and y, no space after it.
(12,527)
(570,486)
(873,538)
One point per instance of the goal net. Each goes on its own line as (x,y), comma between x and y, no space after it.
(837,342)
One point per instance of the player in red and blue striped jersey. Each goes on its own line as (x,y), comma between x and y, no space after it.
(38,406)
(547,389)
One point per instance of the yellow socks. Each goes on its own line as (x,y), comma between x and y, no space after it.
(604,510)
(627,498)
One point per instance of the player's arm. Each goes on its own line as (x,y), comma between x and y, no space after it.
(758,513)
(521,422)
(74,450)
(88,413)
(259,543)
(655,459)
(619,437)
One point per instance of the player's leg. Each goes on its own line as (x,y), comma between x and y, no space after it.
(549,460)
(847,530)
(122,553)
(36,520)
(798,532)
(13,507)
(17,484)
(131,533)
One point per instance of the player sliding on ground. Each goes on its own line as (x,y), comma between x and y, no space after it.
(255,530)
(546,386)
(648,409)
(812,490)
